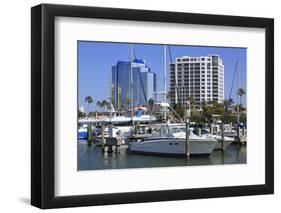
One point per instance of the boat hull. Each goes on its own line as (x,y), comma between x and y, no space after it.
(173,147)
(226,144)
(82,134)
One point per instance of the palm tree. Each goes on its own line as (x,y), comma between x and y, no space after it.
(99,105)
(241,92)
(88,100)
(170,95)
(104,104)
(108,105)
(127,103)
(227,103)
(150,103)
(192,102)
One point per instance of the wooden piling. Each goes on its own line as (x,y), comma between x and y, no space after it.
(116,149)
(199,131)
(222,136)
(187,147)
(90,133)
(238,135)
(109,148)
(238,129)
(118,141)
(102,138)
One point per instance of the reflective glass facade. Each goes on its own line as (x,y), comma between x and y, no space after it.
(144,83)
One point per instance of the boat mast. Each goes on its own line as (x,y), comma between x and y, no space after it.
(110,94)
(238,113)
(165,89)
(131,81)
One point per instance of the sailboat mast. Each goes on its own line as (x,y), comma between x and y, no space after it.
(165,77)
(238,113)
(131,81)
(110,94)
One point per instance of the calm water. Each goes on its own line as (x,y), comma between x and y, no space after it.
(91,157)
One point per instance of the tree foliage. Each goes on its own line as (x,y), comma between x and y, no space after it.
(180,110)
(81,114)
(208,110)
(88,100)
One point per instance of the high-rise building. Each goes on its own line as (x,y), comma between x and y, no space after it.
(143,83)
(201,78)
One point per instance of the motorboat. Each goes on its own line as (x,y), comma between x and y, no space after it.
(82,133)
(174,143)
(222,144)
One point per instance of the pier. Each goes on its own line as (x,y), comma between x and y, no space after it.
(107,144)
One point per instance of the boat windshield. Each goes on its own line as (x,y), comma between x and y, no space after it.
(168,130)
(203,131)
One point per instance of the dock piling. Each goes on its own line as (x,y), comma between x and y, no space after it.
(238,135)
(102,138)
(187,148)
(222,136)
(90,133)
(109,149)
(199,131)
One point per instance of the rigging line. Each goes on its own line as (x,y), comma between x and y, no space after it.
(145,98)
(233,80)
(150,113)
(170,54)
(171,61)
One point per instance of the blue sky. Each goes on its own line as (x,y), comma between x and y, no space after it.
(96,58)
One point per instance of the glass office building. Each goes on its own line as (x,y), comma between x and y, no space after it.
(143,86)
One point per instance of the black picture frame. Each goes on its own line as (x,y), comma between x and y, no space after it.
(43,117)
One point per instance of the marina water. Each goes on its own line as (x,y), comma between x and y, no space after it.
(91,157)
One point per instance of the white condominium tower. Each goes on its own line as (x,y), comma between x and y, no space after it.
(199,77)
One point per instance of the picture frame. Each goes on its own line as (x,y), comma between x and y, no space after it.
(43,105)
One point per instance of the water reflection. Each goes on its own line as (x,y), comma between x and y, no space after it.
(91,157)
